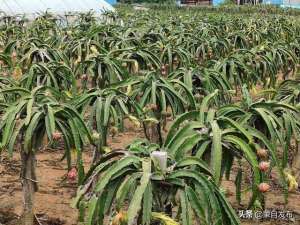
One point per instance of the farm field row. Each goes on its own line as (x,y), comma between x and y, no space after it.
(211,99)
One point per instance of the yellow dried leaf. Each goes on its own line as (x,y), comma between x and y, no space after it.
(292,182)
(166,220)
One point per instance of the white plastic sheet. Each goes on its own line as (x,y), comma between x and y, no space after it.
(59,7)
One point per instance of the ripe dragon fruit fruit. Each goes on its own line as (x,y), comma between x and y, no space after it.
(72,174)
